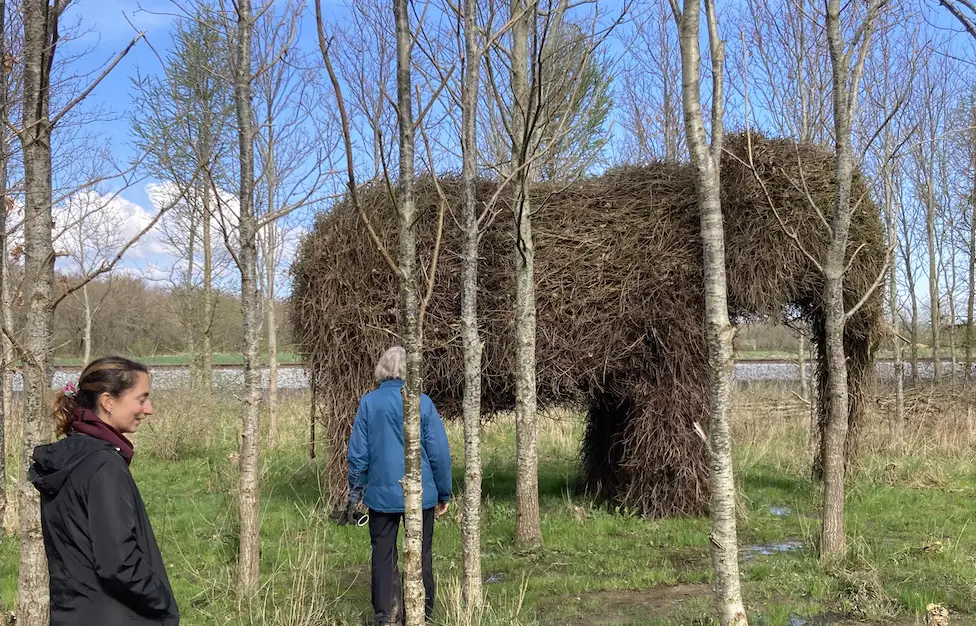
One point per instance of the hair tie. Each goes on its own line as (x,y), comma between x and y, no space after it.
(70,391)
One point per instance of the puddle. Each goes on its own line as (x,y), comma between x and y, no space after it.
(768,549)
(494,578)
(818,620)
(780,511)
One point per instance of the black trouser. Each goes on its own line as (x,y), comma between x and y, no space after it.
(383,529)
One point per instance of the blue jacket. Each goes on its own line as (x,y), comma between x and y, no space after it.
(376,450)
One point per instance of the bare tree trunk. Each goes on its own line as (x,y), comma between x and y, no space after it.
(471,516)
(971,295)
(891,213)
(913,326)
(706,162)
(190,309)
(413,590)
(206,360)
(846,78)
(802,363)
(933,253)
(87,334)
(528,531)
(248,561)
(40,37)
(270,261)
(6,350)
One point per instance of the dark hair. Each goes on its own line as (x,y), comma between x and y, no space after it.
(113,375)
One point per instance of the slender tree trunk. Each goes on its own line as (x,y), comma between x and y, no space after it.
(272,360)
(950,281)
(845,85)
(471,515)
(971,294)
(706,162)
(802,363)
(936,314)
(190,310)
(891,210)
(913,326)
(6,351)
(40,28)
(270,261)
(87,335)
(413,589)
(206,360)
(249,558)
(528,531)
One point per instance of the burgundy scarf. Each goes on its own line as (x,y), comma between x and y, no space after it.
(90,424)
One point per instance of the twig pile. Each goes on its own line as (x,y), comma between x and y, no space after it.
(620,305)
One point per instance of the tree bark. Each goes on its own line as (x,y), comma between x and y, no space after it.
(706,161)
(471,403)
(249,558)
(528,531)
(413,590)
(40,37)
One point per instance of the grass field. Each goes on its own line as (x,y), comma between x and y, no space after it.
(910,520)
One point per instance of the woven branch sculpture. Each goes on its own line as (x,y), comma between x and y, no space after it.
(620,306)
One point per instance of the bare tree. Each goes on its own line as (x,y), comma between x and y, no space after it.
(473,346)
(245,254)
(90,236)
(411,325)
(706,159)
(789,72)
(651,94)
(847,59)
(180,121)
(285,95)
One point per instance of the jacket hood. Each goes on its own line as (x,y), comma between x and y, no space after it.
(54,462)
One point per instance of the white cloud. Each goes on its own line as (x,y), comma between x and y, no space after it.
(91,228)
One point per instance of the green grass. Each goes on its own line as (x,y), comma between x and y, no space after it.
(910,522)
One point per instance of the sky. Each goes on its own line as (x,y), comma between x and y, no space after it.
(109,25)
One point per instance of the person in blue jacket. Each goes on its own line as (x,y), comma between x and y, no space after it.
(376,468)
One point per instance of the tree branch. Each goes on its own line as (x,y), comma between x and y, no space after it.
(84,94)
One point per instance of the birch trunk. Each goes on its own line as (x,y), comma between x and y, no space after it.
(913,326)
(413,589)
(40,27)
(471,407)
(528,531)
(248,563)
(706,160)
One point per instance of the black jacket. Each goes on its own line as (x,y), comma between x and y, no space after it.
(102,555)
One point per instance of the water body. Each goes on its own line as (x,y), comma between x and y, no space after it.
(295,378)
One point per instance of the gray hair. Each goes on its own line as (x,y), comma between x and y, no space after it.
(392,365)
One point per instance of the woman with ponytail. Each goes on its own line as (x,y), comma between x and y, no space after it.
(104,563)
